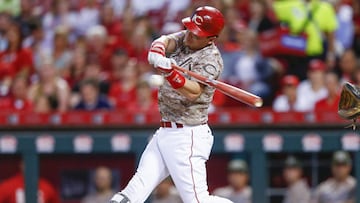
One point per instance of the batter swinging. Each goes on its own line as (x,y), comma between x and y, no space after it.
(182,145)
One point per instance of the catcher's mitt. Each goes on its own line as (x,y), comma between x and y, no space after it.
(349,105)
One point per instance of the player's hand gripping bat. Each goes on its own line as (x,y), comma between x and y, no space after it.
(231,91)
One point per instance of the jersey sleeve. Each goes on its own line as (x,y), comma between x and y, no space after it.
(209,67)
(177,37)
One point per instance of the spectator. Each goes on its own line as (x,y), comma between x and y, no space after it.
(142,8)
(59,15)
(88,16)
(5,23)
(13,190)
(313,89)
(250,71)
(119,7)
(98,47)
(61,52)
(119,60)
(297,190)
(356,20)
(110,22)
(344,183)
(140,39)
(357,77)
(104,192)
(234,23)
(259,21)
(145,101)
(91,99)
(93,72)
(322,22)
(35,40)
(43,104)
(17,100)
(288,100)
(348,65)
(50,86)
(124,91)
(331,102)
(26,17)
(14,59)
(238,190)
(165,192)
(175,7)
(75,73)
(345,31)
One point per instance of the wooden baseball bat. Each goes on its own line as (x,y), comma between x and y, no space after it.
(231,91)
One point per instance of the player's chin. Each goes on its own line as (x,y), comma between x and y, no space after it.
(189,45)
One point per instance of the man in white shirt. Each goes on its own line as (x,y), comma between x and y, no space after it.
(313,89)
(288,100)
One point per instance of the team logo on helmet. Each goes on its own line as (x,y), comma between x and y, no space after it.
(198,20)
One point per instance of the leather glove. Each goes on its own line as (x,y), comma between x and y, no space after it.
(349,105)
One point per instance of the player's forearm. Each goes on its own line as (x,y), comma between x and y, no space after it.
(168,43)
(191,90)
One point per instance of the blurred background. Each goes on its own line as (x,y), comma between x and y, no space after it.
(77,107)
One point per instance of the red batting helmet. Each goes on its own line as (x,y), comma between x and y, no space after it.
(205,22)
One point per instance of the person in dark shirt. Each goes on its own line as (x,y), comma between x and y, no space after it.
(259,20)
(91,99)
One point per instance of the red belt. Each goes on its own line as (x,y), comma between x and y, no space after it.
(166,124)
(170,124)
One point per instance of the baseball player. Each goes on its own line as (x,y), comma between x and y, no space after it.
(297,190)
(182,145)
(341,188)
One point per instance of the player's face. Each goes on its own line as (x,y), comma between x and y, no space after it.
(290,91)
(195,42)
(103,179)
(237,180)
(291,175)
(341,171)
(332,83)
(89,93)
(317,76)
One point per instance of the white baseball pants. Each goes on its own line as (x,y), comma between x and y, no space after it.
(180,153)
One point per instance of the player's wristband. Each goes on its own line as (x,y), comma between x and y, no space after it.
(175,79)
(158,47)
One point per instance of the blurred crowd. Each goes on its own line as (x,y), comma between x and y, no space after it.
(92,54)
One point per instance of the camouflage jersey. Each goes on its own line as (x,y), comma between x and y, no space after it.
(207,62)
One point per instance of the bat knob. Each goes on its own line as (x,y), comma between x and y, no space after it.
(258,103)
